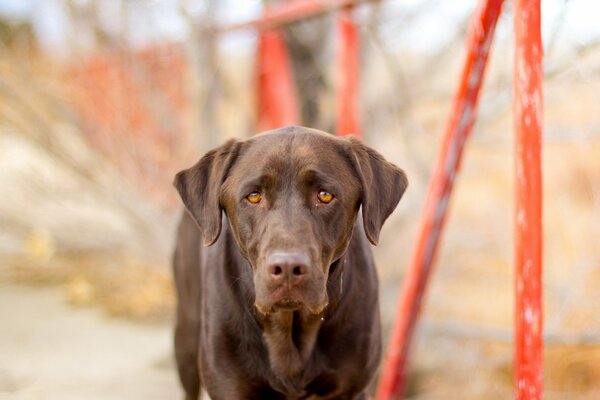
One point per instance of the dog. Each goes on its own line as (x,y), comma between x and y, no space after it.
(282,300)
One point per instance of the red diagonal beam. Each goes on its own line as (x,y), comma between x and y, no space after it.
(348,74)
(527,95)
(290,11)
(458,128)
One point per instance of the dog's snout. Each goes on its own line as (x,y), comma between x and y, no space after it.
(289,267)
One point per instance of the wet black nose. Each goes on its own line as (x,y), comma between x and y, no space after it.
(290,267)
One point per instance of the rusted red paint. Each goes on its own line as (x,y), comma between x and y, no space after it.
(277,101)
(290,11)
(348,74)
(527,95)
(458,128)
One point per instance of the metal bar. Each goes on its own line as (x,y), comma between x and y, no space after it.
(291,11)
(348,73)
(277,101)
(458,128)
(528,103)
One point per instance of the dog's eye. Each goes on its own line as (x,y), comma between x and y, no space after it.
(324,196)
(254,197)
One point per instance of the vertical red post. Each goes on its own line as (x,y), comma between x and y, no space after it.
(528,102)
(348,73)
(461,119)
(277,102)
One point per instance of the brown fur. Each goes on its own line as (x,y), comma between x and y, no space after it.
(241,332)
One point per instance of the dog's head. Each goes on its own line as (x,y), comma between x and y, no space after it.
(291,197)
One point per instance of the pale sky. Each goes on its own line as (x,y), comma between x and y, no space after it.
(153,20)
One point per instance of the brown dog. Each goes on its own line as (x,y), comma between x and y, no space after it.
(284,302)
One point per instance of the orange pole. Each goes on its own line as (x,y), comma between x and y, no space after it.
(527,106)
(277,102)
(458,127)
(348,73)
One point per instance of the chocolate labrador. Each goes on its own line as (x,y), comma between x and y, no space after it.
(283,301)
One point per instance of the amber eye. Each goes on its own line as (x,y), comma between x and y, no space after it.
(254,197)
(324,196)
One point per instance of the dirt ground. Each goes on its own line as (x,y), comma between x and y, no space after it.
(50,350)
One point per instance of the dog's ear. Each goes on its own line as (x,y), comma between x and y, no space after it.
(383,184)
(200,188)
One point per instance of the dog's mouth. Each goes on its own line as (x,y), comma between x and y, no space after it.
(291,305)
(283,305)
(308,296)
(287,304)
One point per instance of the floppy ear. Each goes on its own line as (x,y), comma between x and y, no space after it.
(200,188)
(383,184)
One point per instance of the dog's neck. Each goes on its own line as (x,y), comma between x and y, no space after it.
(290,337)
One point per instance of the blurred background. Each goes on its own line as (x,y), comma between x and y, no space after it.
(103,101)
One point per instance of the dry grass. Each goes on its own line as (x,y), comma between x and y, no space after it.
(121,285)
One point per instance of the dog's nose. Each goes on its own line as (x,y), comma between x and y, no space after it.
(289,267)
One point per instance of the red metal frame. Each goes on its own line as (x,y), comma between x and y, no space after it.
(291,11)
(458,128)
(278,98)
(348,74)
(277,101)
(527,95)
